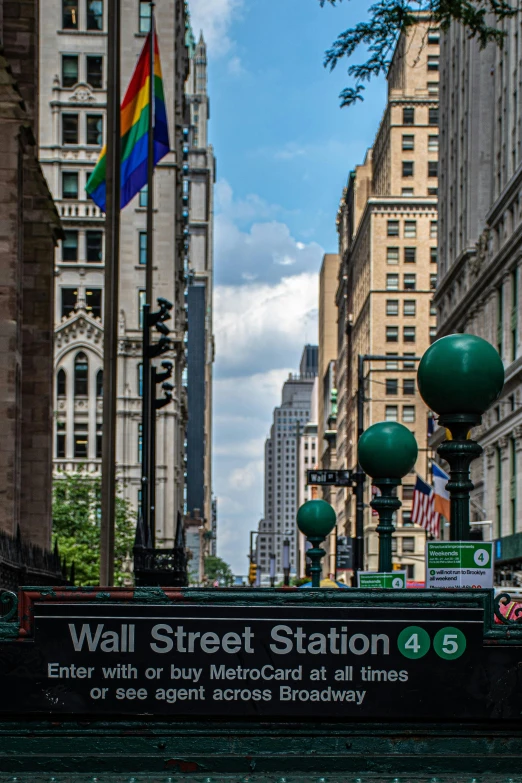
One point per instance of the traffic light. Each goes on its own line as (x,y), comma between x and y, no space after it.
(252,573)
(168,388)
(157,320)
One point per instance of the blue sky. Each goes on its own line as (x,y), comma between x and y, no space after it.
(284,150)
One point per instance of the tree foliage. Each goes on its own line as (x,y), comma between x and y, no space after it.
(216,568)
(76,527)
(388,18)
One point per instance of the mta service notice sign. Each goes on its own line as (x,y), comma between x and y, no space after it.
(382,579)
(459,564)
(257,661)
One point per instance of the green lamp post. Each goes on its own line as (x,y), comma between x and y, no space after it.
(387,452)
(316,519)
(460,376)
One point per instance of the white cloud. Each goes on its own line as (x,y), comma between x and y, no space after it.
(214,17)
(235,67)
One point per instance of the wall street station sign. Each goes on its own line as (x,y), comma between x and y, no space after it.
(334,478)
(280,655)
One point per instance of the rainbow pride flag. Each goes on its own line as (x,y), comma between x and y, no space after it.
(135,132)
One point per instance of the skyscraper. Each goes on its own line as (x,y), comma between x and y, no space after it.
(73,98)
(282,466)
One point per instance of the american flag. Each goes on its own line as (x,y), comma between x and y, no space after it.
(423,512)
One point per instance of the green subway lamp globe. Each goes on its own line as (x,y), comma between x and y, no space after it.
(387,450)
(460,373)
(316,518)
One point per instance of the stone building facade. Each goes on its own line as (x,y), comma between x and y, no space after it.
(73,96)
(480,245)
(387,226)
(30,229)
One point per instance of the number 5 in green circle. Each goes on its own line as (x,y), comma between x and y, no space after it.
(449,643)
(413,642)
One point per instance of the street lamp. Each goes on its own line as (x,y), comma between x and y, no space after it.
(316,519)
(460,376)
(387,452)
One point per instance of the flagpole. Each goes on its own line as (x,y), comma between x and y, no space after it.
(146,370)
(111,280)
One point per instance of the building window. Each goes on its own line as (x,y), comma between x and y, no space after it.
(70,246)
(392,282)
(391,364)
(433,88)
(410,282)
(143,247)
(434,36)
(433,281)
(407,192)
(70,14)
(392,255)
(408,386)
(69,129)
(140,380)
(434,254)
(144,194)
(406,517)
(94,128)
(60,439)
(408,116)
(94,245)
(94,14)
(433,308)
(70,184)
(433,191)
(141,302)
(99,383)
(407,364)
(144,20)
(433,168)
(69,296)
(392,386)
(69,70)
(140,444)
(93,298)
(392,307)
(81,439)
(433,116)
(408,142)
(81,375)
(410,255)
(408,413)
(433,62)
(393,228)
(61,383)
(408,544)
(99,440)
(410,229)
(408,333)
(433,143)
(434,229)
(392,334)
(391,413)
(407,492)
(433,334)
(407,168)
(94,71)
(410,307)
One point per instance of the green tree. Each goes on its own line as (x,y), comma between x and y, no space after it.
(216,568)
(76,526)
(388,18)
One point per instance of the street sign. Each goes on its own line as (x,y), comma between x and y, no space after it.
(334,478)
(392,579)
(459,564)
(344,553)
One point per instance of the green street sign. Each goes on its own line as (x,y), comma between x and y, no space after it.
(382,579)
(459,564)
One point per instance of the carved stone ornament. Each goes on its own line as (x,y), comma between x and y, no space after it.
(82,94)
(490,453)
(476,263)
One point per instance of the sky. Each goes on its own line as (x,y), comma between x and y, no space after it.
(284,150)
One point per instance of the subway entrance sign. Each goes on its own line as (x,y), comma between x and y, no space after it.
(333,478)
(165,686)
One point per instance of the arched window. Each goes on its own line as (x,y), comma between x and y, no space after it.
(99,383)
(61,384)
(81,373)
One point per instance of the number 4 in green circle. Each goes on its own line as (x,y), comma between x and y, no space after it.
(449,643)
(413,642)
